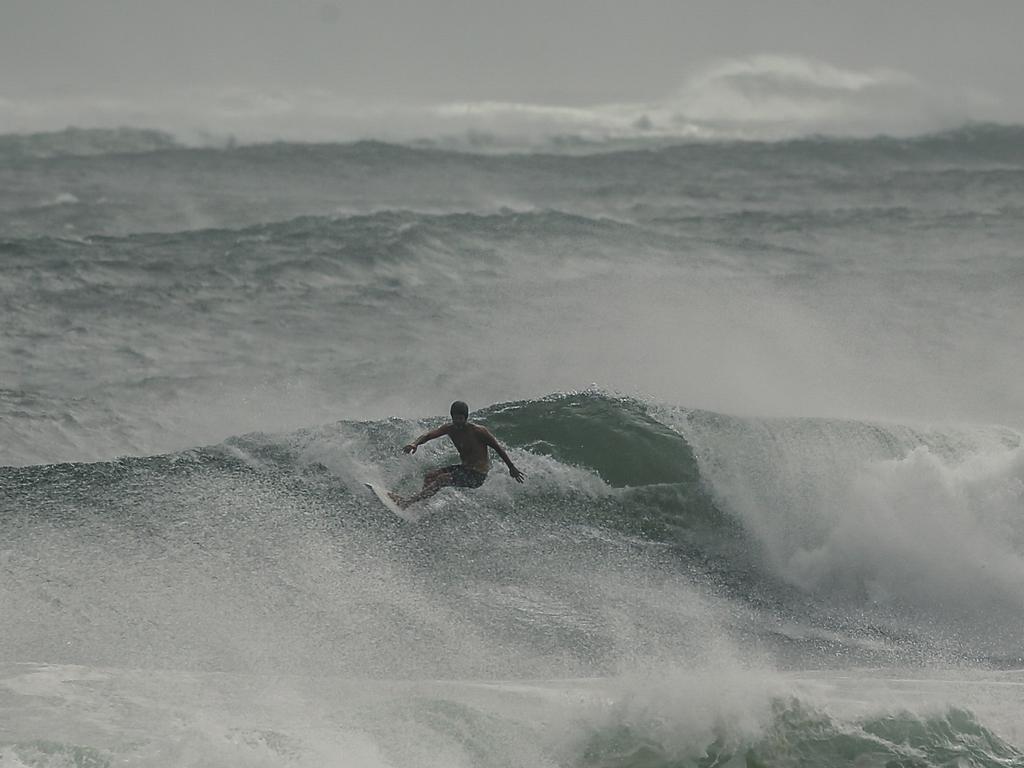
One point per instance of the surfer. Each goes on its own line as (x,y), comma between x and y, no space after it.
(472,442)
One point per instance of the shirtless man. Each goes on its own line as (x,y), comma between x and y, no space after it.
(471,441)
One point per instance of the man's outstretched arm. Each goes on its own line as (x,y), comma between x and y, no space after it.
(493,443)
(426,437)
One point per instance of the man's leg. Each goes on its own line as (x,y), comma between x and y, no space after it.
(431,477)
(432,483)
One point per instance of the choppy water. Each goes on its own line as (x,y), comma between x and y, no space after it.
(766,395)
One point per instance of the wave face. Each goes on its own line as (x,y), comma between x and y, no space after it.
(633,546)
(763,394)
(809,519)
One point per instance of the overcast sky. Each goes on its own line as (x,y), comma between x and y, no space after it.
(59,58)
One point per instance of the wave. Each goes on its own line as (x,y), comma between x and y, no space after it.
(336,248)
(676,719)
(969,143)
(920,520)
(970,171)
(814,521)
(452,241)
(973,170)
(83,142)
(794,728)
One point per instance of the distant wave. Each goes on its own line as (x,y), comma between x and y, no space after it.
(75,142)
(760,97)
(971,141)
(330,245)
(70,187)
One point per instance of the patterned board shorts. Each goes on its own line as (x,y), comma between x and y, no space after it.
(463,477)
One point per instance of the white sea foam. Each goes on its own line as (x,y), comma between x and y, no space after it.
(924,522)
(927,531)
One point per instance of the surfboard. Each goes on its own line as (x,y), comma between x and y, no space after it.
(383,498)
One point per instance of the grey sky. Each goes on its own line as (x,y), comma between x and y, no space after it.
(564,52)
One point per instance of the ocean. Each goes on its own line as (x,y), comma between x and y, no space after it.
(767,396)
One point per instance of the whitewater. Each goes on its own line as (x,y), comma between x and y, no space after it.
(766,395)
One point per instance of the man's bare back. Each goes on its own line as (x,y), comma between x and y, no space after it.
(473,442)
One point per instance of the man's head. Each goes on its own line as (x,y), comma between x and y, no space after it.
(460,413)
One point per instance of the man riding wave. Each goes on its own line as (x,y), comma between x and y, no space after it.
(472,441)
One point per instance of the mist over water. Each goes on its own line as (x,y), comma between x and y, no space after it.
(756,97)
(763,393)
